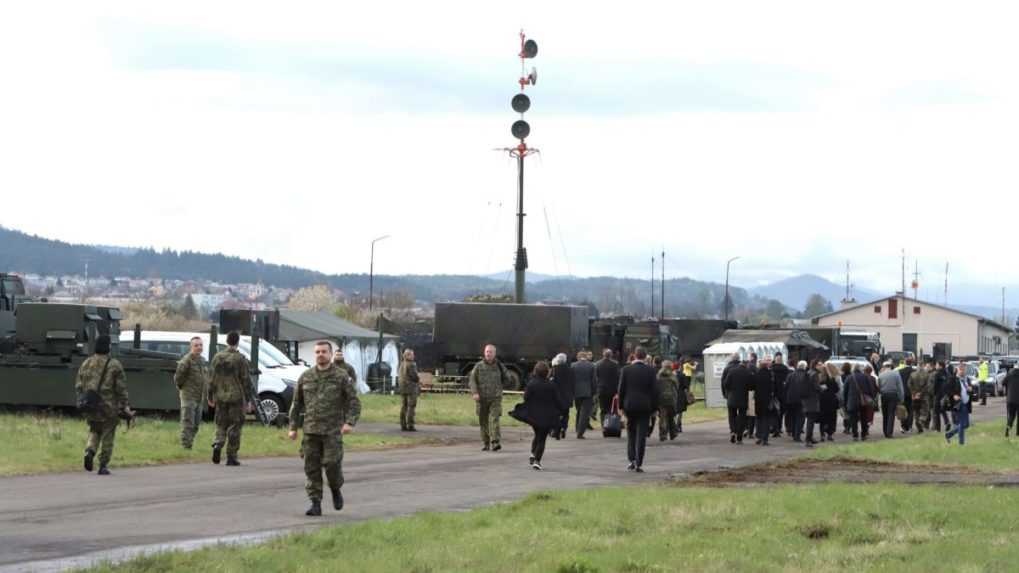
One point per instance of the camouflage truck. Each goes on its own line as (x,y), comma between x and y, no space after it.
(523,333)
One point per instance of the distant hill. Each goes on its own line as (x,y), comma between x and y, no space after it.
(794,291)
(530,277)
(26,253)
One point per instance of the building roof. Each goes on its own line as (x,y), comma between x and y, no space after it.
(781,336)
(910,299)
(301,326)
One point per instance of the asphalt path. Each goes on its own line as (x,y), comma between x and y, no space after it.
(59,521)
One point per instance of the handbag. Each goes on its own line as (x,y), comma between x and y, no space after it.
(612,425)
(690,398)
(900,412)
(90,402)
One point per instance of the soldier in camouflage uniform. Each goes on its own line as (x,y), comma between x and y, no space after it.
(339,361)
(192,380)
(410,388)
(111,386)
(921,386)
(486,383)
(668,392)
(230,379)
(326,406)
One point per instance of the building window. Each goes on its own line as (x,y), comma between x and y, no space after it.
(877,309)
(916,310)
(893,308)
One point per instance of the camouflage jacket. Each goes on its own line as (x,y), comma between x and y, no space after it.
(487,379)
(231,377)
(192,378)
(410,383)
(922,382)
(114,387)
(323,401)
(348,369)
(668,387)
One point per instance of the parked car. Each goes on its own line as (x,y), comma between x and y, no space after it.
(277,374)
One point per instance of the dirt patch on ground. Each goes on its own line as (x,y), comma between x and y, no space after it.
(846,470)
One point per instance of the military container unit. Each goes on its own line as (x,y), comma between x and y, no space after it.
(523,333)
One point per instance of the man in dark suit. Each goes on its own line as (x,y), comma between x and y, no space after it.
(638,398)
(606,375)
(736,388)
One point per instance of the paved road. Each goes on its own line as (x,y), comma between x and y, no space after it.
(47,522)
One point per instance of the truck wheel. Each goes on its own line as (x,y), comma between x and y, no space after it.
(272,405)
(513,380)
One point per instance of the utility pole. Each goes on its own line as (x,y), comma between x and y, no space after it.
(371,272)
(1004,320)
(946,283)
(916,278)
(652,314)
(661,314)
(725,301)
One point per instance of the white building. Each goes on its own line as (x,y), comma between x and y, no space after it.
(913,325)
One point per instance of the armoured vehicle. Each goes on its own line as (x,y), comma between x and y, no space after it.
(692,335)
(523,333)
(12,292)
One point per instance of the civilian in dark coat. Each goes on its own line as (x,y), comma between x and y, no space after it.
(583,391)
(810,397)
(638,398)
(940,385)
(781,373)
(795,388)
(960,403)
(764,391)
(606,375)
(544,410)
(562,376)
(857,386)
(736,388)
(681,399)
(831,383)
(1012,399)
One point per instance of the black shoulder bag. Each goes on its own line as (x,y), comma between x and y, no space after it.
(90,402)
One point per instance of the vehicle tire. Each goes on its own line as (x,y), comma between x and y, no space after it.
(273,406)
(513,380)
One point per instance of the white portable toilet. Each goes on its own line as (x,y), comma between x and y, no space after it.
(717,356)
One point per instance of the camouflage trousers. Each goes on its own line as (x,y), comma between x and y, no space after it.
(229,421)
(489,410)
(190,419)
(322,451)
(922,413)
(667,422)
(407,410)
(101,435)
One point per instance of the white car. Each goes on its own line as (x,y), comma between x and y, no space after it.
(277,374)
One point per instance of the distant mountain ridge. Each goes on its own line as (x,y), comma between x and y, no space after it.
(794,291)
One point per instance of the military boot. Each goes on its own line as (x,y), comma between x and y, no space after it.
(232,461)
(103,471)
(315,509)
(337,499)
(216,452)
(90,455)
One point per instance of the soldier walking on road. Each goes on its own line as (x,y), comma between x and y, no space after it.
(104,376)
(192,380)
(668,388)
(326,406)
(410,388)
(486,383)
(921,388)
(230,377)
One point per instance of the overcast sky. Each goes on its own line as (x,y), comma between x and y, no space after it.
(794,134)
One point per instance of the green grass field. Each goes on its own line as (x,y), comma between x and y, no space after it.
(663,528)
(38,443)
(458,410)
(986,448)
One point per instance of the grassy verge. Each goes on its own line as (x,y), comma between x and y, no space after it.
(986,448)
(39,443)
(787,529)
(458,410)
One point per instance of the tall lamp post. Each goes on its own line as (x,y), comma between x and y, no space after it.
(725,303)
(371,272)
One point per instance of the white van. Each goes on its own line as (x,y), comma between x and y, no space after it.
(277,374)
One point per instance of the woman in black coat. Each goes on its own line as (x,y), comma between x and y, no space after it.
(562,377)
(544,408)
(682,403)
(831,384)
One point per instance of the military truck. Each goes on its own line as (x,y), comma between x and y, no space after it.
(523,333)
(12,292)
(52,340)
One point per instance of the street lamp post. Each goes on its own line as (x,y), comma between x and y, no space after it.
(725,302)
(371,272)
